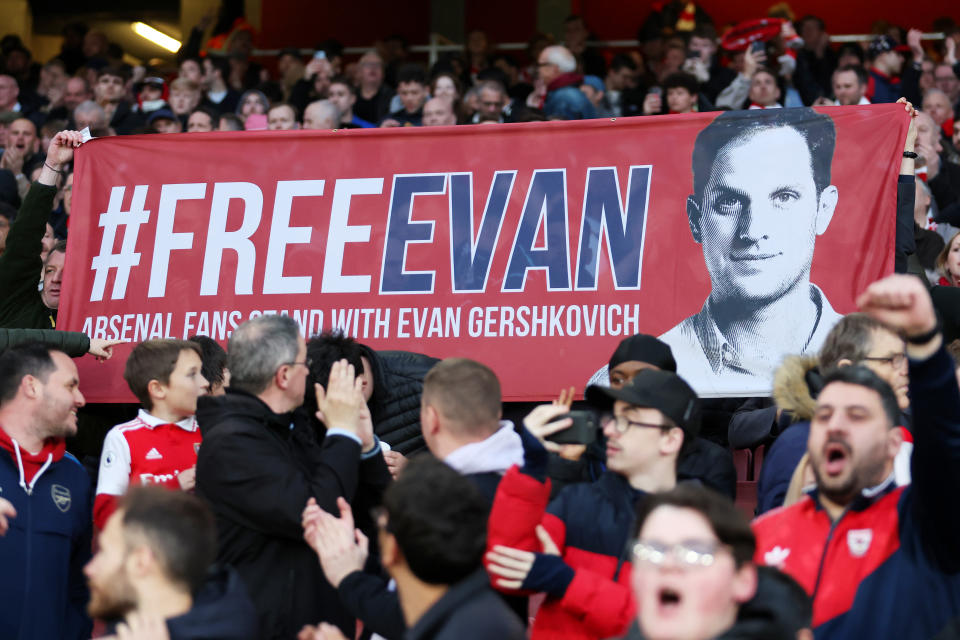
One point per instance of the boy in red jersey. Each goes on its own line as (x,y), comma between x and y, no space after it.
(160,445)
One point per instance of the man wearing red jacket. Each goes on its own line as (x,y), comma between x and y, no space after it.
(575,548)
(160,445)
(880,561)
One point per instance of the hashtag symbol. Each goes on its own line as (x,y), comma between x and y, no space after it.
(110,220)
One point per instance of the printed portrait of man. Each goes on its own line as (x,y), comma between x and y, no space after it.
(761,196)
(762,193)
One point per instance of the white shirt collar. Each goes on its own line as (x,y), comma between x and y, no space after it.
(187,424)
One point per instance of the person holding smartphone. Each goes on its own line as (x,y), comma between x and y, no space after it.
(573,549)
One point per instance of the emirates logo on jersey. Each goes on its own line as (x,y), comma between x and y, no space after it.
(858,541)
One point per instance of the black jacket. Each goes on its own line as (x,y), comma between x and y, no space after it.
(395,404)
(257,469)
(73,343)
(21,306)
(221,611)
(366,595)
(125,120)
(470,609)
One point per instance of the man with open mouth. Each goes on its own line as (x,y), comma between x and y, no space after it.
(857,540)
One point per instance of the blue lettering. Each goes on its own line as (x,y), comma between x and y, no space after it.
(546,198)
(401,231)
(470,258)
(602,211)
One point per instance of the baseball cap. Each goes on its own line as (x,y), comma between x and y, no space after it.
(151,81)
(644,348)
(595,82)
(662,390)
(161,114)
(882,44)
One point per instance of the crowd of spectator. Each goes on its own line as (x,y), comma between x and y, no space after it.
(312,487)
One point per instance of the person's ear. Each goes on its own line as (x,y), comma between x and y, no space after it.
(140,562)
(825,208)
(844,362)
(281,376)
(693,217)
(431,421)
(894,441)
(672,441)
(389,551)
(156,389)
(31,387)
(744,584)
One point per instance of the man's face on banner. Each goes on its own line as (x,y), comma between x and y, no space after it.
(760,216)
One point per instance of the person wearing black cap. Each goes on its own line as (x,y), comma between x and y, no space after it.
(886,62)
(574,550)
(164,121)
(703,460)
(151,94)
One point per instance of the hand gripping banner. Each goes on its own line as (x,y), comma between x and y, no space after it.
(736,237)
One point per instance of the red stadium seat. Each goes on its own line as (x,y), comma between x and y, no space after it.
(742,459)
(758,454)
(747,498)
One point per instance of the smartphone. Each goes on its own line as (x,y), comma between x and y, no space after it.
(583,430)
(655,91)
(757,46)
(320,55)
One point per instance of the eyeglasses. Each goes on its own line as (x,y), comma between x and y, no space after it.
(307,363)
(897,360)
(692,553)
(621,424)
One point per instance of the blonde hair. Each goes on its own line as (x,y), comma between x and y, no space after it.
(798,482)
(182,84)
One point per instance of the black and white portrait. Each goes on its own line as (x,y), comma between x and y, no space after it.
(762,193)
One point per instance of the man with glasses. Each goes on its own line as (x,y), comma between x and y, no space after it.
(260,463)
(858,339)
(947,81)
(574,548)
(558,78)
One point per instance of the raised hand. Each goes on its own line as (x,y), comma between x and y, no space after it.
(339,405)
(61,148)
(902,303)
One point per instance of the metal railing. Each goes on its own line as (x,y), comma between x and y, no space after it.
(437,46)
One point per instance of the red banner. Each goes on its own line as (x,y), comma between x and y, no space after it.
(534,248)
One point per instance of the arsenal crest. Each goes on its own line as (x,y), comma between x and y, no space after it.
(858,540)
(61,497)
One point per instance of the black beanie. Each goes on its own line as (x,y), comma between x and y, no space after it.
(644,348)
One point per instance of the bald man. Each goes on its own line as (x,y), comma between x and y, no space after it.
(321,114)
(438,112)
